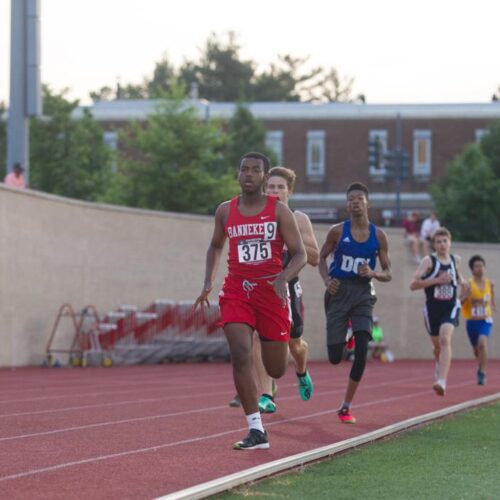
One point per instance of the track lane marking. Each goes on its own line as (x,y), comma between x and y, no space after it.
(111,456)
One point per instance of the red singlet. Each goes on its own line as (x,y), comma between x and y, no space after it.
(255,257)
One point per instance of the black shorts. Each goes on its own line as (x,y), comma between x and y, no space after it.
(436,315)
(353,301)
(296,309)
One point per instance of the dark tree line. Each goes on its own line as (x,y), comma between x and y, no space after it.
(221,74)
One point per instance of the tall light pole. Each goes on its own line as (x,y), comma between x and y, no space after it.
(25,96)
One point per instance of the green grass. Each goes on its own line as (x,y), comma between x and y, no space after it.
(454,458)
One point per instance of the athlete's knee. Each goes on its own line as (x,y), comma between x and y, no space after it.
(444,341)
(241,356)
(360,355)
(481,345)
(276,370)
(335,352)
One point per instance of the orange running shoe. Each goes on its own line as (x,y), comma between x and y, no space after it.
(345,416)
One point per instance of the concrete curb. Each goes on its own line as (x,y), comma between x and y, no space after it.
(227,482)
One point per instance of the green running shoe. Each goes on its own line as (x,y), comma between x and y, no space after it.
(266,404)
(305,386)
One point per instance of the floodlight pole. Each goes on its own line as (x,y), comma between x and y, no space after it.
(25,96)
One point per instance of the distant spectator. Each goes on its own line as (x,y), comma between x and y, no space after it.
(16,177)
(429,227)
(377,345)
(412,232)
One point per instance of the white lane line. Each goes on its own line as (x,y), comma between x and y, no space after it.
(213,408)
(187,396)
(75,393)
(221,380)
(119,381)
(100,458)
(131,401)
(228,482)
(114,422)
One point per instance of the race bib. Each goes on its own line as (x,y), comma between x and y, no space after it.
(443,292)
(253,251)
(270,230)
(478,312)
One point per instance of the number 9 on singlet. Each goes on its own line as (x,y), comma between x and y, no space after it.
(253,251)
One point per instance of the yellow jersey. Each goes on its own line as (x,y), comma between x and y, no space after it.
(478,304)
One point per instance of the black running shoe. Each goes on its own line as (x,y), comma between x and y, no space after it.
(256,440)
(481,378)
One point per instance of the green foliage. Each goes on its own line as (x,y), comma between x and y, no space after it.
(284,80)
(67,157)
(179,167)
(246,133)
(413,465)
(332,88)
(163,78)
(221,74)
(490,146)
(467,198)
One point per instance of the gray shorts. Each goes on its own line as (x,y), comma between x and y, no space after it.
(354,300)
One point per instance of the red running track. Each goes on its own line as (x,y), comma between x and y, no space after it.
(140,432)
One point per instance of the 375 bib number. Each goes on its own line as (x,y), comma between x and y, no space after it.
(253,251)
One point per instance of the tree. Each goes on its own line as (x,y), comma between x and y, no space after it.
(129,91)
(179,167)
(221,75)
(245,133)
(331,87)
(161,83)
(283,81)
(67,156)
(490,146)
(467,198)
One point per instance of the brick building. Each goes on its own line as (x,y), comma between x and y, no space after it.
(327,145)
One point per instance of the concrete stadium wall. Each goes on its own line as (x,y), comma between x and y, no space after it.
(56,251)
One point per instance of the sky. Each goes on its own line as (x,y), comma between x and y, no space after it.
(397,51)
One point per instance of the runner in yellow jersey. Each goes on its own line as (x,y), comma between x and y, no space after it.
(478,302)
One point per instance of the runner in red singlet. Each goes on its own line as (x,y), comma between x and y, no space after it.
(255,291)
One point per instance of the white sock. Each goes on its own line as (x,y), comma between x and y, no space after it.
(255,421)
(346,404)
(436,371)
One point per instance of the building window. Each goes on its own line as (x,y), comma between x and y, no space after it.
(422,152)
(316,154)
(480,133)
(274,142)
(382,137)
(110,139)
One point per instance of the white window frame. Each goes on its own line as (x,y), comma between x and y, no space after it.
(110,139)
(479,133)
(274,142)
(383,136)
(316,138)
(422,169)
